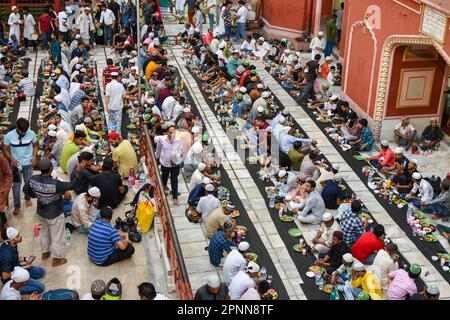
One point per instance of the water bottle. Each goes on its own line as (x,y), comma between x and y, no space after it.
(138,229)
(272,201)
(132,176)
(68,237)
(263,273)
(370,176)
(409,213)
(353,196)
(334,294)
(280,212)
(320,283)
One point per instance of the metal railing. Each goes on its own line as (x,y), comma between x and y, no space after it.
(174,254)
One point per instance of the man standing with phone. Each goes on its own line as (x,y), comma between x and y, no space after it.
(20,148)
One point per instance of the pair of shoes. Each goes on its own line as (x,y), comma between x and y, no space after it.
(16,211)
(175,202)
(58,261)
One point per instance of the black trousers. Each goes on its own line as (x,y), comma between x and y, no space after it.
(285,161)
(173,172)
(27,42)
(119,255)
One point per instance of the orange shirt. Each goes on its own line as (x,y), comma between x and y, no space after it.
(325,70)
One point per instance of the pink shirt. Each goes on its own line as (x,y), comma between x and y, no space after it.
(401,285)
(251,294)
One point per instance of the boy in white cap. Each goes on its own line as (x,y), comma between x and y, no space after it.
(12,289)
(208,203)
(235,262)
(243,280)
(385,158)
(324,237)
(84,210)
(363,281)
(421,192)
(212,290)
(10,258)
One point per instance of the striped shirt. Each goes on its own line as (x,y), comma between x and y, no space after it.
(27,85)
(107,73)
(102,241)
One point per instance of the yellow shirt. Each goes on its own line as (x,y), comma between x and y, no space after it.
(151,67)
(370,285)
(126,158)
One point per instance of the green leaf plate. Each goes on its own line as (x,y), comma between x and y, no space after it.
(295,232)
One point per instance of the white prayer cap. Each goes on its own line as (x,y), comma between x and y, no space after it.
(261,38)
(327,216)
(416,175)
(260,109)
(78,66)
(51,127)
(282,120)
(12,233)
(398,150)
(348,257)
(151,35)
(265,94)
(209,187)
(52,133)
(206,180)
(334,97)
(197,148)
(282,174)
(20,275)
(213,281)
(13,8)
(260,86)
(243,246)
(79,127)
(338,177)
(186,110)
(126,42)
(195,130)
(87,149)
(320,34)
(385,143)
(151,100)
(77,36)
(94,192)
(83,70)
(358,266)
(336,166)
(253,267)
(156,42)
(243,89)
(134,53)
(328,58)
(115,74)
(287,51)
(415,161)
(201,166)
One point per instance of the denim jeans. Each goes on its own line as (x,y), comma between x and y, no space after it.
(329,48)
(308,91)
(45,40)
(437,209)
(211,17)
(2,38)
(107,32)
(119,255)
(351,293)
(370,259)
(241,31)
(228,31)
(34,285)
(68,204)
(82,230)
(27,172)
(115,120)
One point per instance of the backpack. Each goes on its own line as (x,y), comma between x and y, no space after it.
(192,215)
(113,294)
(61,294)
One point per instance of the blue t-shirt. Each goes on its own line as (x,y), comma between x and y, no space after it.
(102,240)
(330,193)
(21,147)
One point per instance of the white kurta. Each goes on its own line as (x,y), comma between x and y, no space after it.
(28,28)
(13,27)
(85,24)
(222,22)
(317,43)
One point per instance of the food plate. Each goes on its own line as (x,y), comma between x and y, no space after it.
(295,232)
(359,158)
(430,238)
(310,274)
(427,230)
(327,288)
(325,120)
(271,293)
(252,256)
(419,215)
(131,126)
(277,206)
(242,229)
(316,268)
(298,248)
(286,218)
(235,214)
(441,255)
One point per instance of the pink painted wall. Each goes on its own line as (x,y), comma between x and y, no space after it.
(396,20)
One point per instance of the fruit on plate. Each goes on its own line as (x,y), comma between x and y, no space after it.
(419,215)
(295,232)
(298,247)
(443,255)
(131,126)
(286,218)
(240,229)
(316,268)
(271,294)
(327,288)
(252,256)
(235,214)
(430,238)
